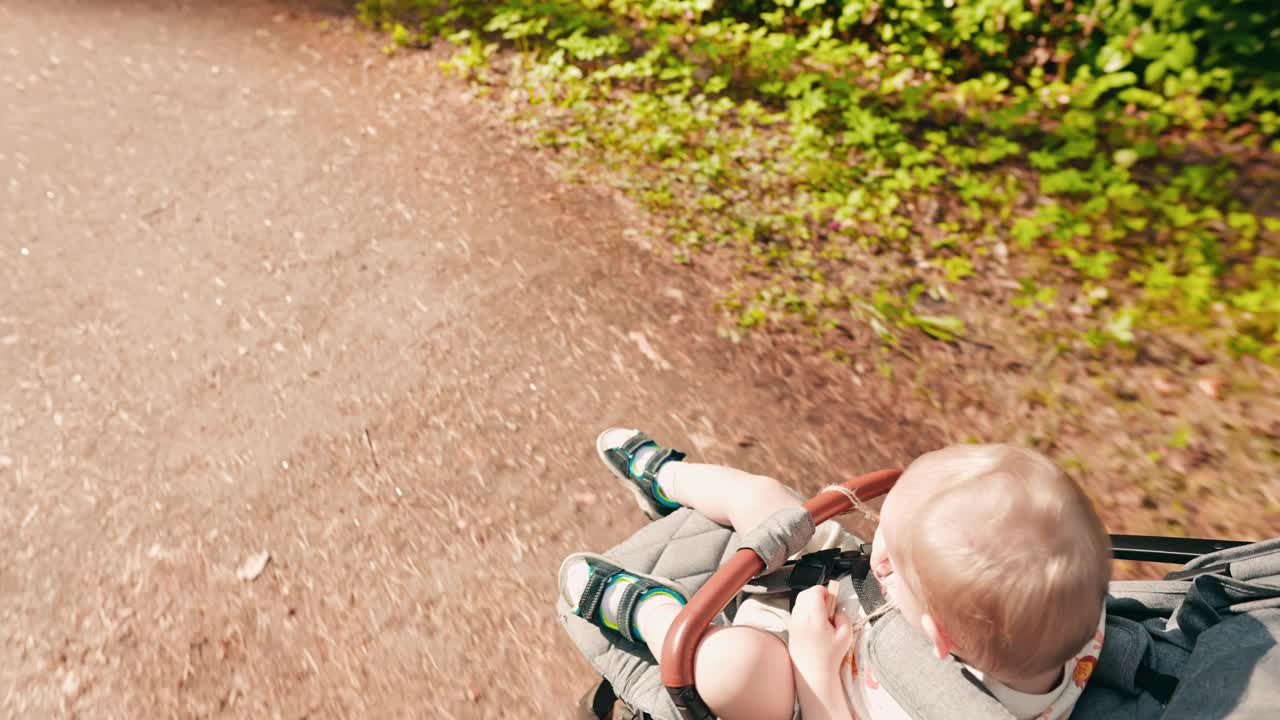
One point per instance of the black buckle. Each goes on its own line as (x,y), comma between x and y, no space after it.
(817,568)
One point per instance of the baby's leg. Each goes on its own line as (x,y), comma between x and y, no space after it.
(743,672)
(724,494)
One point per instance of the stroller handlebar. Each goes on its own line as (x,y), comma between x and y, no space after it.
(689,627)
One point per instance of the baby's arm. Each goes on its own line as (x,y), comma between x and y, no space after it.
(825,702)
(817,648)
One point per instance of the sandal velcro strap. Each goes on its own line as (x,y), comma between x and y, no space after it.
(620,460)
(634,443)
(636,587)
(597,581)
(631,595)
(657,460)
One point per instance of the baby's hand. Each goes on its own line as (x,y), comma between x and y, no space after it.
(818,643)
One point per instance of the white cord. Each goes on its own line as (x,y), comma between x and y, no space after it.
(854,501)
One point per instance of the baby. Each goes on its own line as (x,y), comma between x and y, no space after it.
(990,551)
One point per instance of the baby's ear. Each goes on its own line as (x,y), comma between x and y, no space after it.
(879,559)
(942,645)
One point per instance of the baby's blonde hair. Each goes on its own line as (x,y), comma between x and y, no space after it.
(1007,555)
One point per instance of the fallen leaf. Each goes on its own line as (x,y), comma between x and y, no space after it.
(702,442)
(647,350)
(1211,386)
(253,566)
(1124,390)
(1165,387)
(70,685)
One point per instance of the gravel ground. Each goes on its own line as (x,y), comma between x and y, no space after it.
(262,291)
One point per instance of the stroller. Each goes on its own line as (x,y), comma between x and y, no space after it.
(1204,642)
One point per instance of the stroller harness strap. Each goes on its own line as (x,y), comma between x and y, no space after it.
(870,594)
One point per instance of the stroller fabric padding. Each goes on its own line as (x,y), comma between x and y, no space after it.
(780,536)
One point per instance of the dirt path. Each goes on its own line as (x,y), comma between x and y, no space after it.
(261,290)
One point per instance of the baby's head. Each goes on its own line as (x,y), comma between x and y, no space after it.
(996,555)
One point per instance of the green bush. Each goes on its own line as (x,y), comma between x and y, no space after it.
(1113,146)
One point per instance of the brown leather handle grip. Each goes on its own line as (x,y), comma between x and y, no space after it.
(691,624)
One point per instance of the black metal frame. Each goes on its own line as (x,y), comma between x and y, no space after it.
(1178,551)
(814,568)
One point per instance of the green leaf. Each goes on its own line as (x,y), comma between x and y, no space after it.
(1144,98)
(1182,54)
(751,317)
(1125,157)
(1096,265)
(1120,327)
(942,327)
(1114,57)
(1026,231)
(957,268)
(1103,85)
(400,35)
(1244,223)
(1154,72)
(1149,44)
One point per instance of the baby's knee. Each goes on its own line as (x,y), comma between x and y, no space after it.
(761,483)
(745,673)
